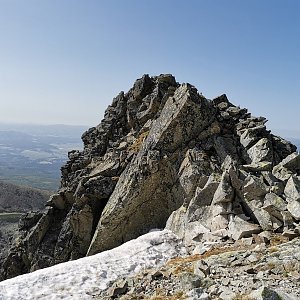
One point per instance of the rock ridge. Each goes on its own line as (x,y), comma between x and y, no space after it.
(165,156)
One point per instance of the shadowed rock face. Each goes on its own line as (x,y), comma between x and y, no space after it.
(165,154)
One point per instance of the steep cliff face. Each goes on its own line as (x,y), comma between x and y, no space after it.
(164,154)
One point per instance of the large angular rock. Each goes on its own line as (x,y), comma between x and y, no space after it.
(281,172)
(292,189)
(194,171)
(239,228)
(294,208)
(251,135)
(275,205)
(292,162)
(224,192)
(258,166)
(254,187)
(139,190)
(261,151)
(177,222)
(75,236)
(203,198)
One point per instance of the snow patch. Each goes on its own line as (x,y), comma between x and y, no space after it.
(86,277)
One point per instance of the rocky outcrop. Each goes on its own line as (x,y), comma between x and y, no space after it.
(164,155)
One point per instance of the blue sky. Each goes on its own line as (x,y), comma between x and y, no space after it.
(62,61)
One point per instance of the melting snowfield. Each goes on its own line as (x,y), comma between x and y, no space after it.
(86,277)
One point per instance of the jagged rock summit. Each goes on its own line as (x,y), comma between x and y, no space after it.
(165,156)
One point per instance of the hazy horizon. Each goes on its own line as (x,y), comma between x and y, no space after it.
(62,62)
(45,124)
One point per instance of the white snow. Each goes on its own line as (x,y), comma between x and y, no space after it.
(85,277)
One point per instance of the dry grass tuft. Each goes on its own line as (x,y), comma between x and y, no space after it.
(242,297)
(176,296)
(278,239)
(136,146)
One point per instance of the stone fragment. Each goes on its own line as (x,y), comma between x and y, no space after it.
(76,232)
(224,192)
(28,220)
(201,267)
(189,281)
(197,294)
(260,215)
(239,228)
(177,221)
(258,166)
(202,248)
(221,101)
(287,219)
(219,222)
(272,199)
(118,289)
(227,294)
(294,208)
(57,200)
(252,258)
(266,235)
(276,223)
(273,211)
(224,146)
(204,196)
(269,178)
(290,234)
(251,135)
(281,173)
(236,178)
(292,189)
(37,233)
(216,236)
(194,232)
(254,187)
(244,241)
(261,151)
(156,274)
(194,171)
(292,162)
(282,148)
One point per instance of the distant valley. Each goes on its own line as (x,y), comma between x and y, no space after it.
(15,200)
(32,155)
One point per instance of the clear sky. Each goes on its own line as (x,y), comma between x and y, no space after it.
(62,61)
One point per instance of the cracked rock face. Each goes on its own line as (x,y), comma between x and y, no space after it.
(164,155)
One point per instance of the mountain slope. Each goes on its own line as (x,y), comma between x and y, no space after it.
(165,156)
(15,198)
